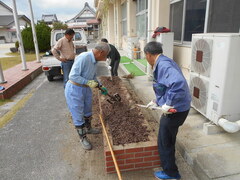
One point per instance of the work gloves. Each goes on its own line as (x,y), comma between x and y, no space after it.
(165,109)
(92,83)
(104,90)
(152,105)
(109,68)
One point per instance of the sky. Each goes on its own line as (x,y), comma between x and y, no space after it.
(64,9)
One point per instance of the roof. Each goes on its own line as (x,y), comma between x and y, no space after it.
(49,17)
(92,21)
(6,20)
(77,26)
(6,6)
(86,8)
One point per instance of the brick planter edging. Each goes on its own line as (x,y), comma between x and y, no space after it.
(24,80)
(134,156)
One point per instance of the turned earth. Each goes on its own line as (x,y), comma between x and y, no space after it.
(125,121)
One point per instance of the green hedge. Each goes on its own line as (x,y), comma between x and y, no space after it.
(43,32)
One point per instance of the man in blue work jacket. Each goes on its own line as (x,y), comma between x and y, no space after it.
(78,91)
(172,92)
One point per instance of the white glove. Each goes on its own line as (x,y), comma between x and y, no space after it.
(92,83)
(165,109)
(152,105)
(109,68)
(108,61)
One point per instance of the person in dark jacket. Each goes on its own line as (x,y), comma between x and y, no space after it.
(115,58)
(172,92)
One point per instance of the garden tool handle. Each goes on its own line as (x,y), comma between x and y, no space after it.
(172,110)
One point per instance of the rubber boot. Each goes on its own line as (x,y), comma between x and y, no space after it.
(89,128)
(83,137)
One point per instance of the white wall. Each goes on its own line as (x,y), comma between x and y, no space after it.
(182,56)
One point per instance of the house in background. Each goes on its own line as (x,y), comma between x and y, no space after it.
(85,19)
(8,32)
(49,19)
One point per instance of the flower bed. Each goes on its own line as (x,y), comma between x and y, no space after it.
(134,143)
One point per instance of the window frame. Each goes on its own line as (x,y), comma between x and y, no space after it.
(140,13)
(124,20)
(206,20)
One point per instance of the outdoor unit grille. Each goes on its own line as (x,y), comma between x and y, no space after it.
(202,56)
(199,89)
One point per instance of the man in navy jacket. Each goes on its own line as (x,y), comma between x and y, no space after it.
(172,92)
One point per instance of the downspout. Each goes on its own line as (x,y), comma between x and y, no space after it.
(149,36)
(229,126)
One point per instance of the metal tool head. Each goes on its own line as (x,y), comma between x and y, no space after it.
(114,98)
(117,97)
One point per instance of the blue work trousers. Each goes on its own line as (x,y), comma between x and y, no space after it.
(168,130)
(66,68)
(79,101)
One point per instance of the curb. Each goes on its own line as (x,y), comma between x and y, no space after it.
(11,113)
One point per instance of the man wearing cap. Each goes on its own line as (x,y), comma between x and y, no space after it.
(78,91)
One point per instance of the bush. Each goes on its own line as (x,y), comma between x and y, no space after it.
(43,37)
(17,44)
(27,39)
(59,25)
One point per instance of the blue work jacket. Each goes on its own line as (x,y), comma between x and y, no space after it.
(169,85)
(84,68)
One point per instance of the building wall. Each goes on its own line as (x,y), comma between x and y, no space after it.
(182,56)
(160,17)
(110,23)
(4,11)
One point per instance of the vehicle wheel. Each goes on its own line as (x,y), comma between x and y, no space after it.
(50,77)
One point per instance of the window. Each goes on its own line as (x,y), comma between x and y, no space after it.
(194,18)
(59,36)
(142,18)
(78,36)
(189,16)
(192,13)
(124,18)
(176,17)
(224,16)
(14,35)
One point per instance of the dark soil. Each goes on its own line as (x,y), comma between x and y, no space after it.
(125,121)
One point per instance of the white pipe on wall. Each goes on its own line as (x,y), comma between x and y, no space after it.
(229,126)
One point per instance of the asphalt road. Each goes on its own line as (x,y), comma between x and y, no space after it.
(31,141)
(40,141)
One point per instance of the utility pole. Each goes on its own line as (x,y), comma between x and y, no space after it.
(34,33)
(19,36)
(2,80)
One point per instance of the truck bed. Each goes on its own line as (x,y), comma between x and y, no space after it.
(50,61)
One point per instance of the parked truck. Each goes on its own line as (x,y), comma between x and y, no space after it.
(52,66)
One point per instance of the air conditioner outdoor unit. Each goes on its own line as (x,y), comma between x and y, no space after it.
(166,39)
(214,75)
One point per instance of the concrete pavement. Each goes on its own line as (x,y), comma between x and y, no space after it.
(213,156)
(210,156)
(40,141)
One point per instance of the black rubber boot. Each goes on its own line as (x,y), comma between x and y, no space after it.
(82,132)
(89,128)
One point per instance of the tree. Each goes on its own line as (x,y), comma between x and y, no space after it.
(43,36)
(59,25)
(43,32)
